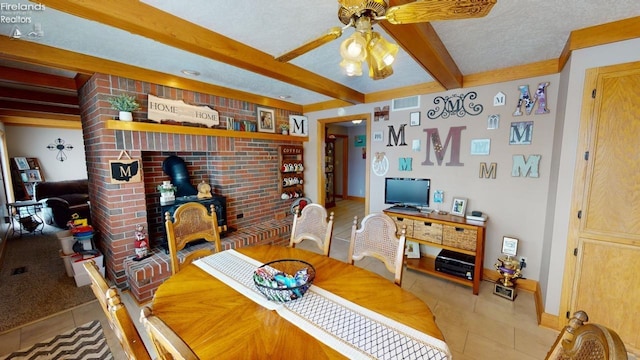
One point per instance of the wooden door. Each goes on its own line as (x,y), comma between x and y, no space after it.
(605,231)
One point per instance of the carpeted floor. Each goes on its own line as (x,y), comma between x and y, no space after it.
(82,343)
(43,288)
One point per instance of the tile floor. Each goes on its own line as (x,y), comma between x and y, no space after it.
(475,327)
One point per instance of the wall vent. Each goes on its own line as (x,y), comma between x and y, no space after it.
(411,102)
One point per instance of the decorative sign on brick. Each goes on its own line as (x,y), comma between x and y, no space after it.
(125,170)
(177,110)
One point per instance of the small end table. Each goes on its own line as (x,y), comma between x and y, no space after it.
(26,214)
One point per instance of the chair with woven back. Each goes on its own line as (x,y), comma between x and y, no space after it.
(167,343)
(115,311)
(580,341)
(311,223)
(377,238)
(192,223)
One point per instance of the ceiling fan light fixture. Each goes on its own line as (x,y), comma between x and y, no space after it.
(354,48)
(352,68)
(383,52)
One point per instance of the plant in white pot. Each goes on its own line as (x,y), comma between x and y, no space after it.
(125,104)
(285,129)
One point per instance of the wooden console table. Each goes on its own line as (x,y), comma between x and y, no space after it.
(448,232)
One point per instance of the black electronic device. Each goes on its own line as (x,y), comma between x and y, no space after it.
(455,263)
(476,213)
(408,192)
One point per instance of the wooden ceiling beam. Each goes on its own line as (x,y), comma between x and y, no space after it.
(423,44)
(50,109)
(23,116)
(31,52)
(37,96)
(20,76)
(145,20)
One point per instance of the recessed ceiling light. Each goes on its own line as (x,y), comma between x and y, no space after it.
(283,97)
(190,72)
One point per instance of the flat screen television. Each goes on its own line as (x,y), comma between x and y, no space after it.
(408,192)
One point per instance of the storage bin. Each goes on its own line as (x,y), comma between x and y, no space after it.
(67,263)
(400,221)
(83,278)
(66,241)
(458,237)
(427,231)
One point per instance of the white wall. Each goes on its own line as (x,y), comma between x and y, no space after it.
(30,141)
(530,209)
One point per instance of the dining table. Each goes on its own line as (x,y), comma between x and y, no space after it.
(220,319)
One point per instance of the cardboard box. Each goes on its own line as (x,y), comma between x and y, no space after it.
(83,279)
(77,262)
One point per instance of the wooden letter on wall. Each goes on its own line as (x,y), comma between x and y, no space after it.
(453,136)
(524,168)
(405,164)
(399,137)
(488,173)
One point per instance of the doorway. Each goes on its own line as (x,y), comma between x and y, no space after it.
(322,133)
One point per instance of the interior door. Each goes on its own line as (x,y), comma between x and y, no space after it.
(606,227)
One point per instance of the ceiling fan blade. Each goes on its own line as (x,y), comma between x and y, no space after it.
(430,10)
(332,34)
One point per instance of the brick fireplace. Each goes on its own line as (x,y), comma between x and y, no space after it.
(244,170)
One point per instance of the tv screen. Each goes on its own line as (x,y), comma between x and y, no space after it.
(407,192)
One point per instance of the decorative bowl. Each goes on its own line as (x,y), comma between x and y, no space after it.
(284,280)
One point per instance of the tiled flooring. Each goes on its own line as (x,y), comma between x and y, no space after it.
(475,327)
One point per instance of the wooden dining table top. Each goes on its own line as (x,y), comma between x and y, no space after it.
(217,322)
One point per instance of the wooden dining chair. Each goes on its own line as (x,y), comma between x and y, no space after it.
(377,238)
(580,341)
(192,223)
(167,343)
(311,223)
(115,311)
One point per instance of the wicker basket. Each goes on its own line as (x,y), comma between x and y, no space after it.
(460,238)
(284,280)
(427,231)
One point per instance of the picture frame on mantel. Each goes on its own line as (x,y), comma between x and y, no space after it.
(266,119)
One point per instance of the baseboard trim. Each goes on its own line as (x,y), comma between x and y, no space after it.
(550,321)
(356,198)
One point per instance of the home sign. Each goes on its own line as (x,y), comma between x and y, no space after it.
(177,110)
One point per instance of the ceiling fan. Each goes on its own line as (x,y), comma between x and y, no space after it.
(367,45)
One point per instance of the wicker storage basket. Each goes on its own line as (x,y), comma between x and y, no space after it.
(284,280)
(460,238)
(400,222)
(427,231)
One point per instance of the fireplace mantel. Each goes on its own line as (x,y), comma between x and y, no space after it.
(192,130)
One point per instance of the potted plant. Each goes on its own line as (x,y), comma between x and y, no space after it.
(285,129)
(125,104)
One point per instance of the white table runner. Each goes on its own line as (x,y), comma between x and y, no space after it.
(352,330)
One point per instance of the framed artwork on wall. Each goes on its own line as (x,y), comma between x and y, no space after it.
(414,119)
(266,119)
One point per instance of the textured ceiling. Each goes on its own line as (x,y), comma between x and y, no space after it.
(515,32)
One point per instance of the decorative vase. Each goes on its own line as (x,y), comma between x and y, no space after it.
(125,116)
(285,132)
